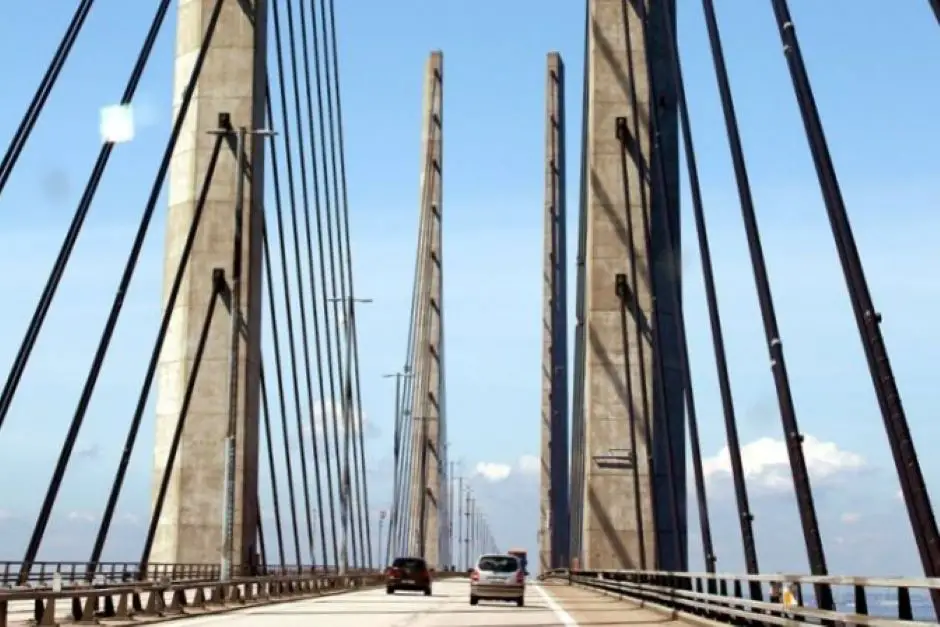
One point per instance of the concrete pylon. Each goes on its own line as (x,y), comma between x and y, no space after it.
(231,81)
(427,400)
(618,86)
(554,521)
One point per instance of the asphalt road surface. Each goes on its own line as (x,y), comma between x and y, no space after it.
(448,606)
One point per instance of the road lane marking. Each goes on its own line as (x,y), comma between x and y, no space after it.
(559,612)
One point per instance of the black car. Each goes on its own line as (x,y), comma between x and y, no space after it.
(408,573)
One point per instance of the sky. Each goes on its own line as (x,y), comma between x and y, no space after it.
(871,71)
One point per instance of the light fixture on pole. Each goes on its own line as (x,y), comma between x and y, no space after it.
(240,135)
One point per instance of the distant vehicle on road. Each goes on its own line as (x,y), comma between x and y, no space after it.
(408,573)
(498,578)
(523,556)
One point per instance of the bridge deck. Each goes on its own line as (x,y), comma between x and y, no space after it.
(546,606)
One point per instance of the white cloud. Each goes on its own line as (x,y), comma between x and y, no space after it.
(529,464)
(129,519)
(850,518)
(328,407)
(766,463)
(492,471)
(80,517)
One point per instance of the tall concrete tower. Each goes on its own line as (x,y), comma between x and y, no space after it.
(427,478)
(232,81)
(554,522)
(616,203)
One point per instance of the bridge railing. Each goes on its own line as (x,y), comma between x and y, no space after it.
(44,574)
(160,599)
(762,599)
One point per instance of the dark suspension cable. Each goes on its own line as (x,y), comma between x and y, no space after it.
(301,151)
(118,302)
(793,439)
(285,281)
(745,518)
(219,287)
(78,220)
(36,105)
(323,209)
(145,388)
(868,320)
(344,252)
(272,469)
(672,234)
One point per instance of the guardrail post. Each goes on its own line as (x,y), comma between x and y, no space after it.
(87,611)
(46,612)
(861,600)
(107,606)
(178,601)
(235,593)
(217,596)
(905,612)
(122,610)
(155,602)
(199,598)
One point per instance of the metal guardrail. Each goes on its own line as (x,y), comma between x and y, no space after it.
(43,574)
(161,599)
(755,599)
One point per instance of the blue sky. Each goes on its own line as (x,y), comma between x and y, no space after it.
(878,105)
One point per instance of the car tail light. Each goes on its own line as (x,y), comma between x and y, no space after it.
(520,577)
(475,575)
(392,572)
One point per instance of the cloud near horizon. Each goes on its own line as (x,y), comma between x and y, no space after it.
(767,465)
(494,472)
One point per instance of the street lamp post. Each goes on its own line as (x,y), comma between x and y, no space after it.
(228,484)
(345,495)
(382,514)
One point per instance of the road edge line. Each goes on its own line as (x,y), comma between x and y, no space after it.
(557,609)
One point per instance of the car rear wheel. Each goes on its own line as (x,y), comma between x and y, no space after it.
(520,601)
(389,590)
(474,600)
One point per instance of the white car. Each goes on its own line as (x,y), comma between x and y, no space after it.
(498,578)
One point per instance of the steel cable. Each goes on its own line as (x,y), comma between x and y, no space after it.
(323,212)
(344,256)
(272,468)
(145,388)
(219,287)
(793,439)
(78,220)
(301,151)
(41,96)
(672,235)
(118,302)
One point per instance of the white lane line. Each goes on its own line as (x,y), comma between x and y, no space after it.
(560,613)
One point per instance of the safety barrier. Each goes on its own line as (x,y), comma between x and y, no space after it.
(772,599)
(45,574)
(152,600)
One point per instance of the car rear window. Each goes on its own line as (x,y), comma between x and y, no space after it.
(409,563)
(499,564)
